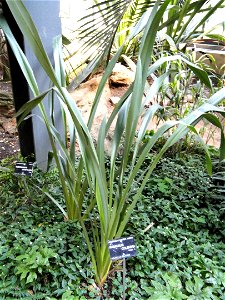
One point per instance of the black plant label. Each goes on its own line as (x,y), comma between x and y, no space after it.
(122,248)
(24,168)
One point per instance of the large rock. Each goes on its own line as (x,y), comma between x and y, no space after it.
(121,75)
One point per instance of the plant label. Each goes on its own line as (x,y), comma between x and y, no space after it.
(122,248)
(24,168)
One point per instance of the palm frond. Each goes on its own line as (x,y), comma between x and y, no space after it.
(96,34)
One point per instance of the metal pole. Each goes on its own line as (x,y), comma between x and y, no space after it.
(124,278)
(33,135)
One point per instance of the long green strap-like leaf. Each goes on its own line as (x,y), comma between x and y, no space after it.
(193,118)
(206,17)
(144,60)
(135,31)
(182,15)
(86,144)
(216,122)
(58,59)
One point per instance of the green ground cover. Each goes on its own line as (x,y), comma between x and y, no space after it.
(178,226)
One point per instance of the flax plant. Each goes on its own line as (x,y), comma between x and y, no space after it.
(102,203)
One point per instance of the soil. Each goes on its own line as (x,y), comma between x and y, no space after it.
(84,95)
(9,142)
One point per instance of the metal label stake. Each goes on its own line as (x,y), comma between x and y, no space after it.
(121,249)
(124,278)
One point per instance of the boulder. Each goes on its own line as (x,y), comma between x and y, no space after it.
(121,75)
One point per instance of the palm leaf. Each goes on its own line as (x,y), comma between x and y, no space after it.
(96,33)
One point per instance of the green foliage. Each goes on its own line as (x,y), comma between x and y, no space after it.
(179,231)
(219,178)
(103,205)
(36,260)
(116,20)
(171,289)
(178,226)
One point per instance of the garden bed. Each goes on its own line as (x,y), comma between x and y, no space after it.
(178,226)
